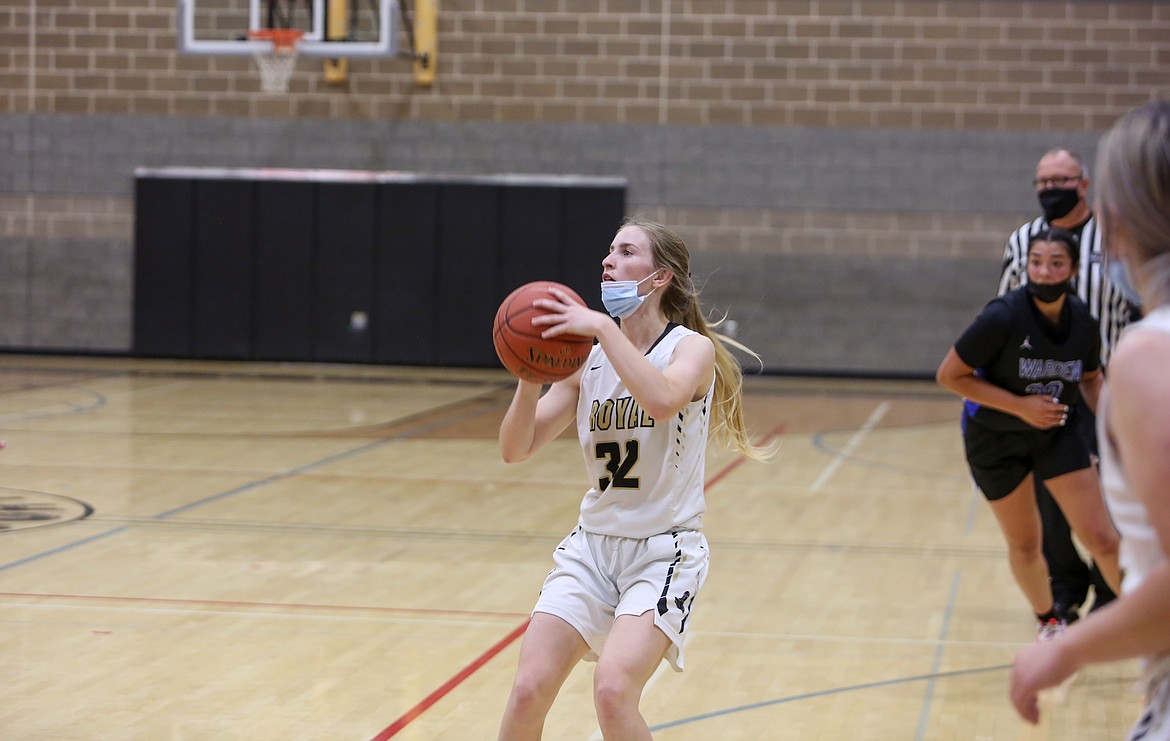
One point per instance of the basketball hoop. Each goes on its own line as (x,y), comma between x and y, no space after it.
(276,63)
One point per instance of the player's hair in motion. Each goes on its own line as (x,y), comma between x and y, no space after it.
(680,304)
(1133,193)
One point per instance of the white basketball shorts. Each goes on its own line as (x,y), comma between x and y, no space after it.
(1154,722)
(598,577)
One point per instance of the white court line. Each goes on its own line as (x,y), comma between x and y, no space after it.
(851,446)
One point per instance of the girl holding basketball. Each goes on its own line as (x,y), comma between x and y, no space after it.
(625,579)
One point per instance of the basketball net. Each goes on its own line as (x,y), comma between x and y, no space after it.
(276,63)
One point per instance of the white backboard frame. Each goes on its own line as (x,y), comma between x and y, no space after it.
(312,44)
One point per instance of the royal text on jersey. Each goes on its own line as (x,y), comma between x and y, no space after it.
(618,414)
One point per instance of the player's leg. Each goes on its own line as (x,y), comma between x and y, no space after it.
(1068,571)
(549,651)
(1087,426)
(1079,495)
(1020,522)
(633,650)
(1102,594)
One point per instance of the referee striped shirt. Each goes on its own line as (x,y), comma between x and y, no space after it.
(1105,302)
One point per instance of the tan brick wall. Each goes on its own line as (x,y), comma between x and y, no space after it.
(1005,64)
(1015,75)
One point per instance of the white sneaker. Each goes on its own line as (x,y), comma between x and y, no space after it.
(1053,628)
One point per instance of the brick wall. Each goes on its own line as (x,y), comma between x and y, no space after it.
(966,64)
(848,132)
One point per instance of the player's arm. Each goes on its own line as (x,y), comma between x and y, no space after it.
(1042,412)
(662,394)
(1138,422)
(533,420)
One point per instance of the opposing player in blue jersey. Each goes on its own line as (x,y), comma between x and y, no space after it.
(1022,366)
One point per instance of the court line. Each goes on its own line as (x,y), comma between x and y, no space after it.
(61,548)
(450,684)
(458,679)
(854,441)
(928,695)
(476,408)
(275,605)
(437,424)
(57,409)
(269,618)
(828,692)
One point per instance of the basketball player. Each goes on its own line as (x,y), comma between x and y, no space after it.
(625,579)
(1062,184)
(1022,366)
(1133,201)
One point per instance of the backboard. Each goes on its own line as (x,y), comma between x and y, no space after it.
(351,28)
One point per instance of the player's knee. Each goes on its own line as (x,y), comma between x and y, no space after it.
(613,693)
(1101,540)
(530,697)
(1026,548)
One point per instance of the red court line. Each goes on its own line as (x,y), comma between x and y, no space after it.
(450,684)
(467,671)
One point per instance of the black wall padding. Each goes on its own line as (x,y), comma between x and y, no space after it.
(162,268)
(465,286)
(589,221)
(283,294)
(222,284)
(406,272)
(344,260)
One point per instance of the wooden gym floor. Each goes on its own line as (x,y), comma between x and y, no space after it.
(264,551)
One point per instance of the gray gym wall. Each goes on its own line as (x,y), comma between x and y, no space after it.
(840,237)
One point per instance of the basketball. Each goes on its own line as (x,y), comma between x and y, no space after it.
(521,348)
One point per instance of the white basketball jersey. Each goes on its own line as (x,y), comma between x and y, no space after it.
(647,474)
(1140,549)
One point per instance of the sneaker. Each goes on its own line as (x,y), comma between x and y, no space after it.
(1052,629)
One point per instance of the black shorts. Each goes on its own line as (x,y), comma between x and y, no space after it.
(999,460)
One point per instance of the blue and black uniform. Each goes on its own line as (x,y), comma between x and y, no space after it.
(1014,346)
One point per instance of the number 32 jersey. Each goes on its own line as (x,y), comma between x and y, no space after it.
(647,474)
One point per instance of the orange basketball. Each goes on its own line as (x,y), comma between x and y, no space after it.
(521,348)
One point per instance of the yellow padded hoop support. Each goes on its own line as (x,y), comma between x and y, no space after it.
(336,71)
(426,47)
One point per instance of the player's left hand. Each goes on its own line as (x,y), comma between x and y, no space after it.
(1036,668)
(565,316)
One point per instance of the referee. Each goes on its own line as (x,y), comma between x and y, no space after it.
(1062,184)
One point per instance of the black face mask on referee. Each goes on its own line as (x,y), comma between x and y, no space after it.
(1058,202)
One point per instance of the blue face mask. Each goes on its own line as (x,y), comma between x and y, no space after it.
(621,298)
(1119,277)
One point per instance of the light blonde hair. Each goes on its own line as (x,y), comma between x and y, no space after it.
(1133,192)
(680,303)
